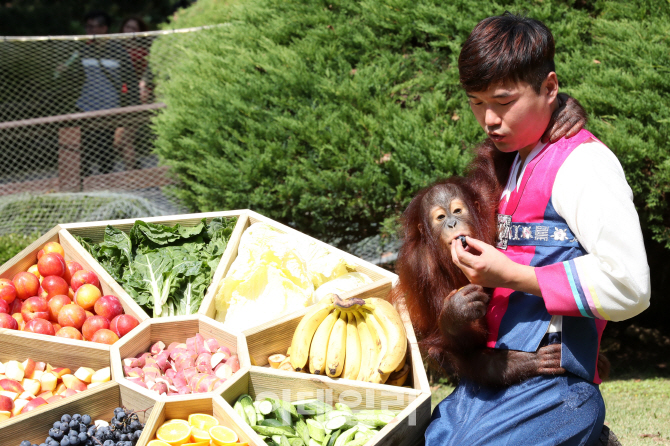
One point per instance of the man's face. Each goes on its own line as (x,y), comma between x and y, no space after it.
(95,26)
(513,115)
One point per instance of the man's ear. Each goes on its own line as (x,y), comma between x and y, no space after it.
(550,86)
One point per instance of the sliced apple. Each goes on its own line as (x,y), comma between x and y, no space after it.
(69,392)
(48,381)
(33,404)
(11,385)
(61,371)
(60,388)
(102,376)
(19,404)
(6,403)
(31,386)
(84,374)
(72,382)
(92,385)
(14,370)
(40,366)
(28,368)
(26,396)
(2,369)
(5,415)
(10,395)
(55,399)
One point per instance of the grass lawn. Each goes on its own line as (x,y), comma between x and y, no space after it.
(638,411)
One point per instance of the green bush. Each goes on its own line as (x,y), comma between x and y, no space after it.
(12,244)
(292,108)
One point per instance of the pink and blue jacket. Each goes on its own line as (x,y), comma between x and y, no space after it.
(541,238)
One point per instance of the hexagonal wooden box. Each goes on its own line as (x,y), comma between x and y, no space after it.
(99,403)
(412,407)
(169,330)
(57,352)
(73,251)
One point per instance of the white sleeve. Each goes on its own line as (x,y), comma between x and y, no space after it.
(591,193)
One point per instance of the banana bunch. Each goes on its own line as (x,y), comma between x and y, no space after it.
(361,339)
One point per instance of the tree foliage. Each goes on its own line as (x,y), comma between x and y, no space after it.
(330,115)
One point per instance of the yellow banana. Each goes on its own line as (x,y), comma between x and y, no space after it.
(389,319)
(379,341)
(304,332)
(337,345)
(352,361)
(367,345)
(319,347)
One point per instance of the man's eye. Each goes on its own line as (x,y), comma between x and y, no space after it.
(441,217)
(506,103)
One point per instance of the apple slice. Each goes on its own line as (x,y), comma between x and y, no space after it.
(19,404)
(2,369)
(49,381)
(11,395)
(40,366)
(46,395)
(93,385)
(72,382)
(32,386)
(11,385)
(102,376)
(69,392)
(61,371)
(28,368)
(26,396)
(6,403)
(5,415)
(84,374)
(37,374)
(33,404)
(55,399)
(14,370)
(60,388)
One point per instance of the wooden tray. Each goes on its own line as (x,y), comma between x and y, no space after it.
(215,406)
(406,429)
(96,230)
(19,346)
(174,329)
(99,403)
(73,251)
(276,336)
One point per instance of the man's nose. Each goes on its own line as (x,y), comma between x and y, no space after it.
(491,118)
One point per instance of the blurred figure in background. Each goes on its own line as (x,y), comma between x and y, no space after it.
(109,81)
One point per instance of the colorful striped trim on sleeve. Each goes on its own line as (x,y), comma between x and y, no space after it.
(584,294)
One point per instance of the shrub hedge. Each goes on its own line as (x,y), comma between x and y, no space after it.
(330,115)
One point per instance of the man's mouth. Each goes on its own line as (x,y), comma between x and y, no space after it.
(496,137)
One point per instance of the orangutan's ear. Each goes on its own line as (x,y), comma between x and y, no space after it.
(478,206)
(421,228)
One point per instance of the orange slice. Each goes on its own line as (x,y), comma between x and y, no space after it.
(222,435)
(198,435)
(174,433)
(202,421)
(157,443)
(200,443)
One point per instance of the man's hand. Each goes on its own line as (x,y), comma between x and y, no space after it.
(484,265)
(566,121)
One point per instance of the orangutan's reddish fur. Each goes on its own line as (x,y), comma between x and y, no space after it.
(427,274)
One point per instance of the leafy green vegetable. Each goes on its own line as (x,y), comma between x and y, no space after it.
(166,269)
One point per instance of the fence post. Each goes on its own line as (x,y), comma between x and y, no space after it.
(69,159)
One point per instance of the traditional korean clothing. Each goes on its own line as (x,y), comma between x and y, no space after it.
(571,216)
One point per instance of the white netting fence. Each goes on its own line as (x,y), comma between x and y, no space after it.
(75,121)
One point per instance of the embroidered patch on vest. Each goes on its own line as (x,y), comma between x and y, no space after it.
(504,222)
(540,234)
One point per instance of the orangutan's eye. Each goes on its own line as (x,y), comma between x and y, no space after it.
(441,217)
(457,211)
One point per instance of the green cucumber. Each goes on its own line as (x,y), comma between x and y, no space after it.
(296,442)
(240,411)
(326,439)
(336,422)
(302,430)
(271,430)
(343,407)
(373,420)
(316,430)
(311,407)
(346,436)
(249,409)
(333,437)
